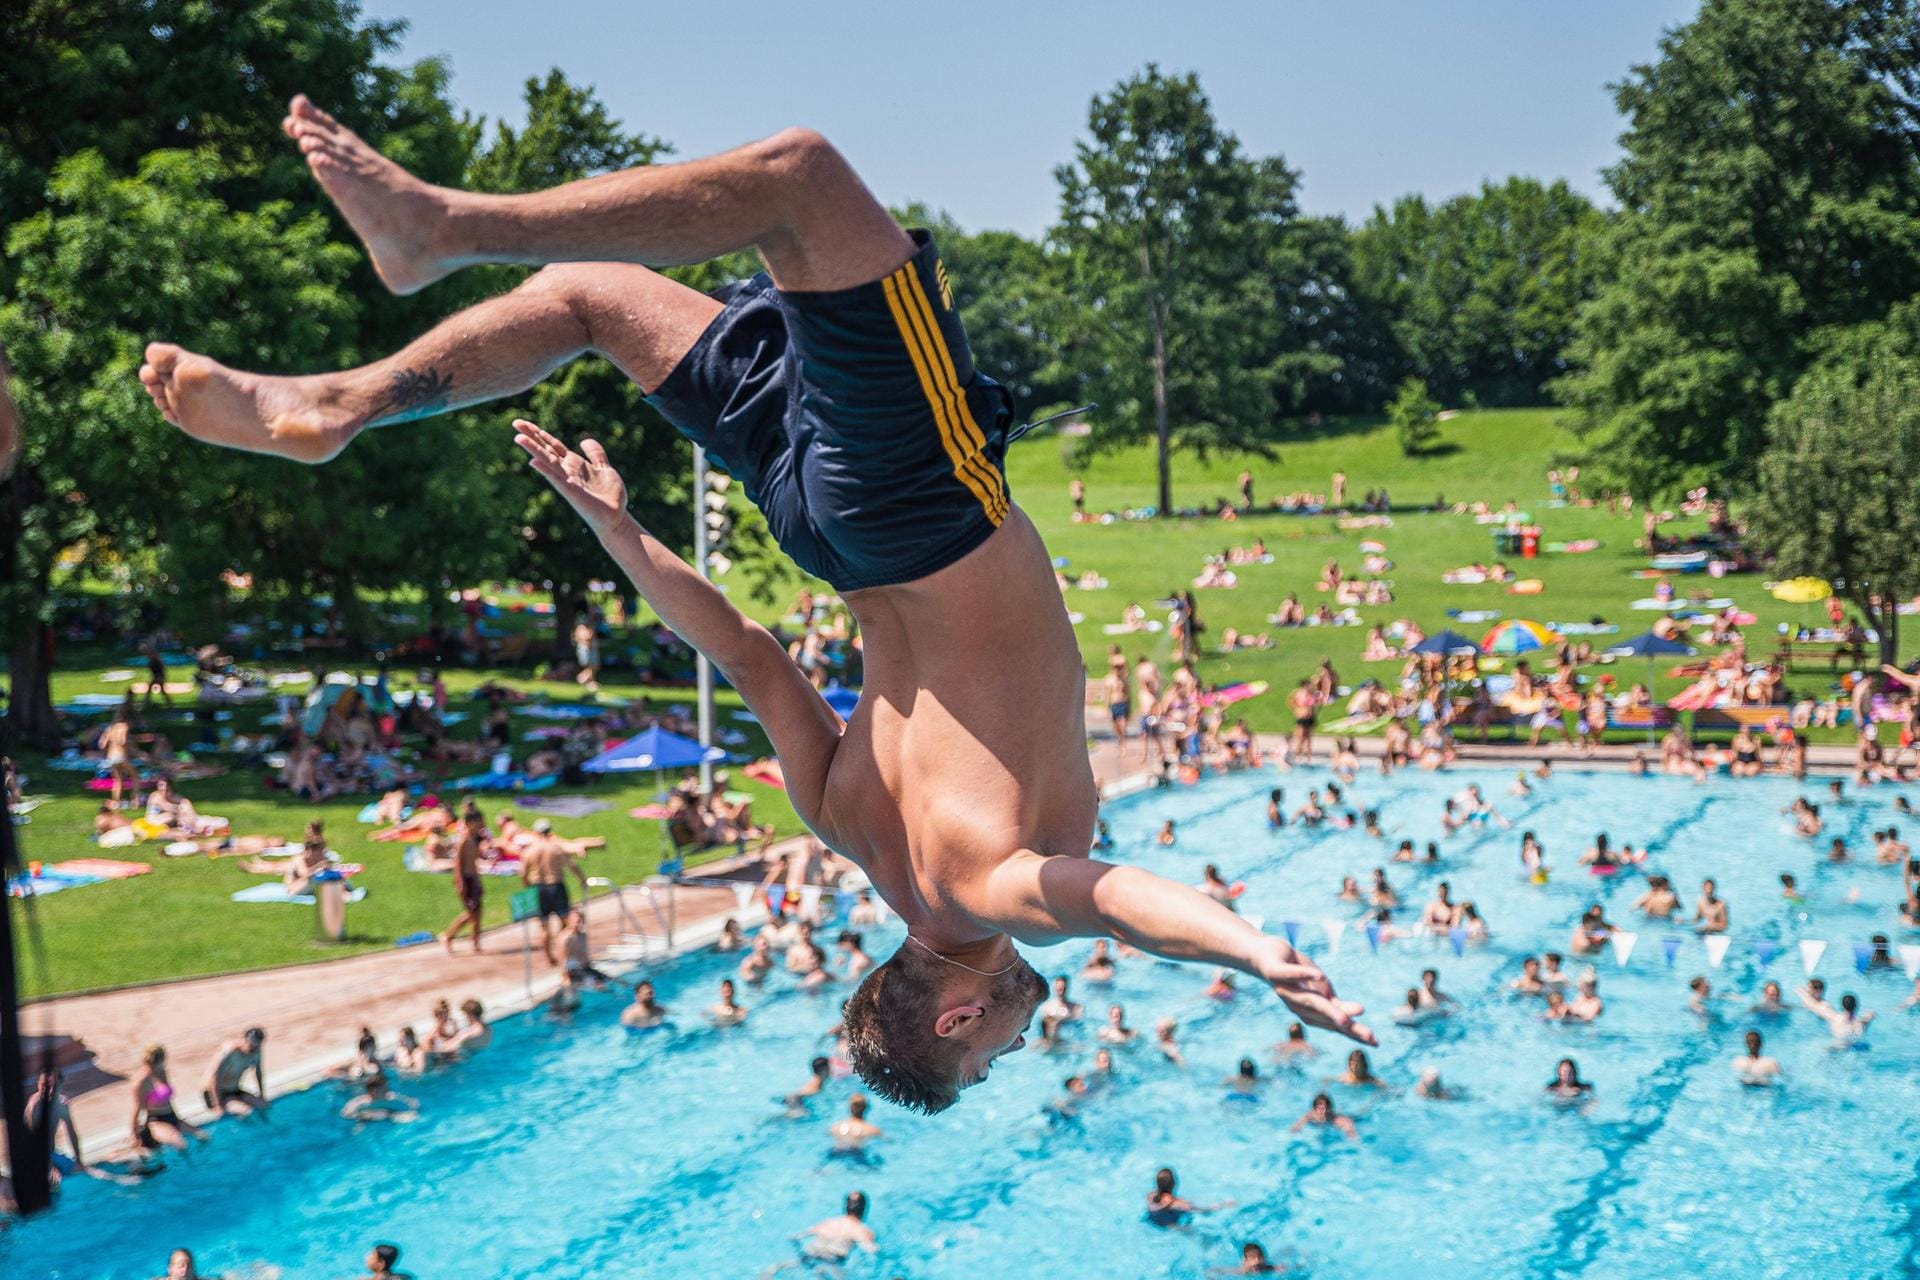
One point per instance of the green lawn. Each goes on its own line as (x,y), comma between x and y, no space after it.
(178,921)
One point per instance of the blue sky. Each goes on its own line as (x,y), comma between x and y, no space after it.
(1371,99)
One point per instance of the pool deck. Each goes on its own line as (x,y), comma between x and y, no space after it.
(313,1012)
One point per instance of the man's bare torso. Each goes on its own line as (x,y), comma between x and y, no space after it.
(969,742)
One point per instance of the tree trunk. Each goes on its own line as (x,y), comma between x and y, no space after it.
(1160,412)
(1887,622)
(564,613)
(30,715)
(1157,322)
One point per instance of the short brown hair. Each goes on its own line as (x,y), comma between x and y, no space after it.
(890,1037)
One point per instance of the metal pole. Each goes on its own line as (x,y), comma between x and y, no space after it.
(703,670)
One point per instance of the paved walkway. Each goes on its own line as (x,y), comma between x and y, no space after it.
(313,1012)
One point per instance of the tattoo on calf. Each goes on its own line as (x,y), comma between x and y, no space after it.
(413,393)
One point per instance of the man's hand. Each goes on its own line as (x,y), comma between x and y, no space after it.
(588,482)
(1299,983)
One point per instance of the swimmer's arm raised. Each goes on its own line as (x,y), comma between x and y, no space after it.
(1039,899)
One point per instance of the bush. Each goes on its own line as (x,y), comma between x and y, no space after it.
(1413,415)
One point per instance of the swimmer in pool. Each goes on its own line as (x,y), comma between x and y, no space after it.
(378,1101)
(1166,836)
(1116,1031)
(1074,1093)
(834,1240)
(1060,1007)
(1770,1002)
(1215,886)
(1590,934)
(853,952)
(1165,1039)
(1245,1082)
(1382,894)
(1755,1068)
(1167,1208)
(1349,889)
(645,1011)
(1550,971)
(1099,970)
(1295,1048)
(1556,1010)
(1586,1005)
(1404,853)
(821,1068)
(1437,917)
(1566,1085)
(855,1131)
(1528,983)
(1433,1089)
(1321,1115)
(757,963)
(1847,1023)
(1253,1262)
(1410,1012)
(1659,902)
(1533,858)
(1276,809)
(1710,912)
(1222,988)
(839,387)
(727,1011)
(1359,1073)
(1790,888)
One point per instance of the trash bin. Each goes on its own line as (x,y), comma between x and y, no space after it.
(329,906)
(1529,543)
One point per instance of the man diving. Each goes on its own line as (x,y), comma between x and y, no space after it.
(839,389)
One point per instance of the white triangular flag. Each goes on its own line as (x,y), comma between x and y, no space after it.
(1623,946)
(1258,922)
(1811,949)
(1910,957)
(742,895)
(1716,945)
(1335,930)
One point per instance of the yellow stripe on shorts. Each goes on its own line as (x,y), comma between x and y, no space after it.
(949,408)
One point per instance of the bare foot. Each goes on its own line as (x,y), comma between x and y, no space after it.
(393,212)
(298,418)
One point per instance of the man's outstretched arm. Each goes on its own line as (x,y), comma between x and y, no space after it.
(1040,900)
(804,730)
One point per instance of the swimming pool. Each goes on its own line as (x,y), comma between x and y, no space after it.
(582,1150)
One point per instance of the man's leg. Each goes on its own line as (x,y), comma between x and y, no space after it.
(791,196)
(639,319)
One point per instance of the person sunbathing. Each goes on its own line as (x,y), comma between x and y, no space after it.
(168,808)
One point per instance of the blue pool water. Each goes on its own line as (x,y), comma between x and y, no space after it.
(582,1150)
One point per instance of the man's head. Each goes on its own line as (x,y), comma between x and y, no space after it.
(920,1028)
(381,1259)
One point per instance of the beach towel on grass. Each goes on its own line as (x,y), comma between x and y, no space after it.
(48,881)
(564,806)
(278,893)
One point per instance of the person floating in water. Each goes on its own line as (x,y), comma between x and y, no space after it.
(839,388)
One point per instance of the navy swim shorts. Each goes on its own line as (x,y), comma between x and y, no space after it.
(854,419)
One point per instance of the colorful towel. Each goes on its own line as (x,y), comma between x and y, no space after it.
(278,893)
(564,806)
(48,881)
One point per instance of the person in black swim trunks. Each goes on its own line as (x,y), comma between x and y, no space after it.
(838,388)
(225,1092)
(545,864)
(466,878)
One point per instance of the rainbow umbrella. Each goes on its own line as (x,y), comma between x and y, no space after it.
(1518,635)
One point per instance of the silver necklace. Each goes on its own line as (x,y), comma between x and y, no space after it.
(959,964)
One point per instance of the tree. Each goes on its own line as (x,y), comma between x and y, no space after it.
(1413,415)
(1769,196)
(1481,291)
(1835,486)
(121,226)
(1155,214)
